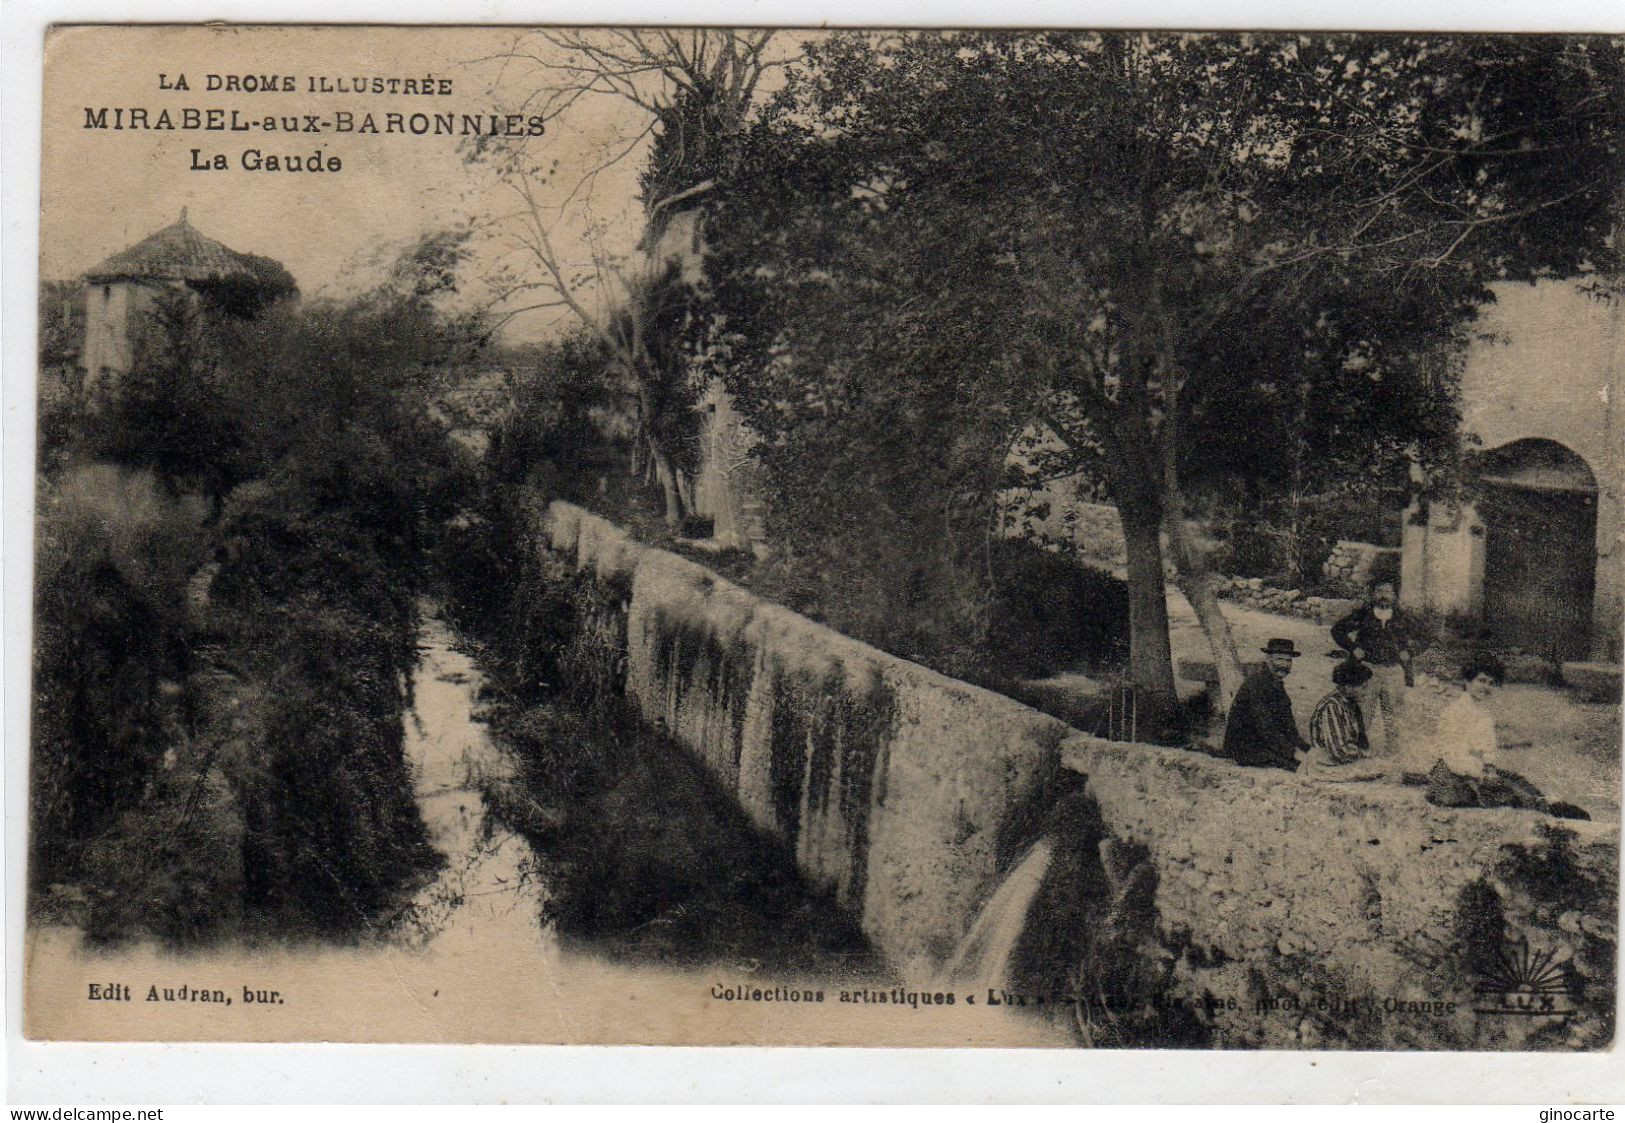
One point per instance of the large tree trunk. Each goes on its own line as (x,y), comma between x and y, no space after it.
(666,476)
(1132,472)
(1198,589)
(685,491)
(1195,580)
(1150,653)
(660,464)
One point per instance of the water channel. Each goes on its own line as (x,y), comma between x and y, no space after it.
(475,958)
(747,924)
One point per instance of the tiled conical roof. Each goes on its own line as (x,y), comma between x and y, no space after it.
(179,253)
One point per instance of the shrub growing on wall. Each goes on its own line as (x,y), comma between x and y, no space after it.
(1051,614)
(113,557)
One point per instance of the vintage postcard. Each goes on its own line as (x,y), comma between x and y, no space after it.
(720,536)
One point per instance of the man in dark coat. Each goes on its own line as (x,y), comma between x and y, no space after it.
(1261,732)
(1380,635)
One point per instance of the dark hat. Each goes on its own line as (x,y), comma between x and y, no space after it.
(1350,672)
(1281,647)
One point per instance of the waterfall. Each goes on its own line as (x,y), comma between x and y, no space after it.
(983,958)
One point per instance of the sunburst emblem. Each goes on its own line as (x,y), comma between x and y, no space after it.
(1527,983)
(1517,970)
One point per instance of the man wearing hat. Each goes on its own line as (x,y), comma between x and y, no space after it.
(1261,732)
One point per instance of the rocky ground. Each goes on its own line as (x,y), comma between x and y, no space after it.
(1568,748)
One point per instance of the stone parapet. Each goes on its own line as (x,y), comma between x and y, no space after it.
(1296,898)
(898,789)
(1315,915)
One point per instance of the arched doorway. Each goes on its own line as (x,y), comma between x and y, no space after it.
(1539,508)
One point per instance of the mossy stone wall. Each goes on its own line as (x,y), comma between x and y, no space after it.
(900,790)
(1287,914)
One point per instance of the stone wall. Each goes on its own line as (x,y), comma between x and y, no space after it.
(900,790)
(909,795)
(1351,566)
(1255,593)
(1332,913)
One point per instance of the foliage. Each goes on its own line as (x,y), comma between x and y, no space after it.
(331,831)
(1051,614)
(691,91)
(1288,538)
(641,849)
(228,618)
(168,413)
(61,321)
(562,435)
(112,562)
(1185,257)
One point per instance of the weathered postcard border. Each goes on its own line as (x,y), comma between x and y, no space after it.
(363,1073)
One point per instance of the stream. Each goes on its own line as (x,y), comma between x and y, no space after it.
(490,891)
(732,934)
(473,958)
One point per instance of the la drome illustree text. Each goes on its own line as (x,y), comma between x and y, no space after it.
(428,115)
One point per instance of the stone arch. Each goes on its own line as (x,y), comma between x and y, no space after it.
(1538,504)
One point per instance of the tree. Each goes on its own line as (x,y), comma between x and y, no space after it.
(61,322)
(1177,234)
(685,95)
(167,413)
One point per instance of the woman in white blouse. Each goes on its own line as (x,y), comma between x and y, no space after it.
(1465,740)
(1465,772)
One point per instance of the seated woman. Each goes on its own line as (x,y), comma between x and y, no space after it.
(1464,774)
(1339,748)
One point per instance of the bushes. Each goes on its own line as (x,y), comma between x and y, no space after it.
(222,677)
(884,592)
(1026,612)
(1290,545)
(562,435)
(519,603)
(173,865)
(250,776)
(113,558)
(331,830)
(641,849)
(1051,614)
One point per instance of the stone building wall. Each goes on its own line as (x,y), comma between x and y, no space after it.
(112,316)
(1546,366)
(726,486)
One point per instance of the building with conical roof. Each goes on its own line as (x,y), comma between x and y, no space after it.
(121,292)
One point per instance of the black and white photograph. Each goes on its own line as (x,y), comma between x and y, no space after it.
(1089,540)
